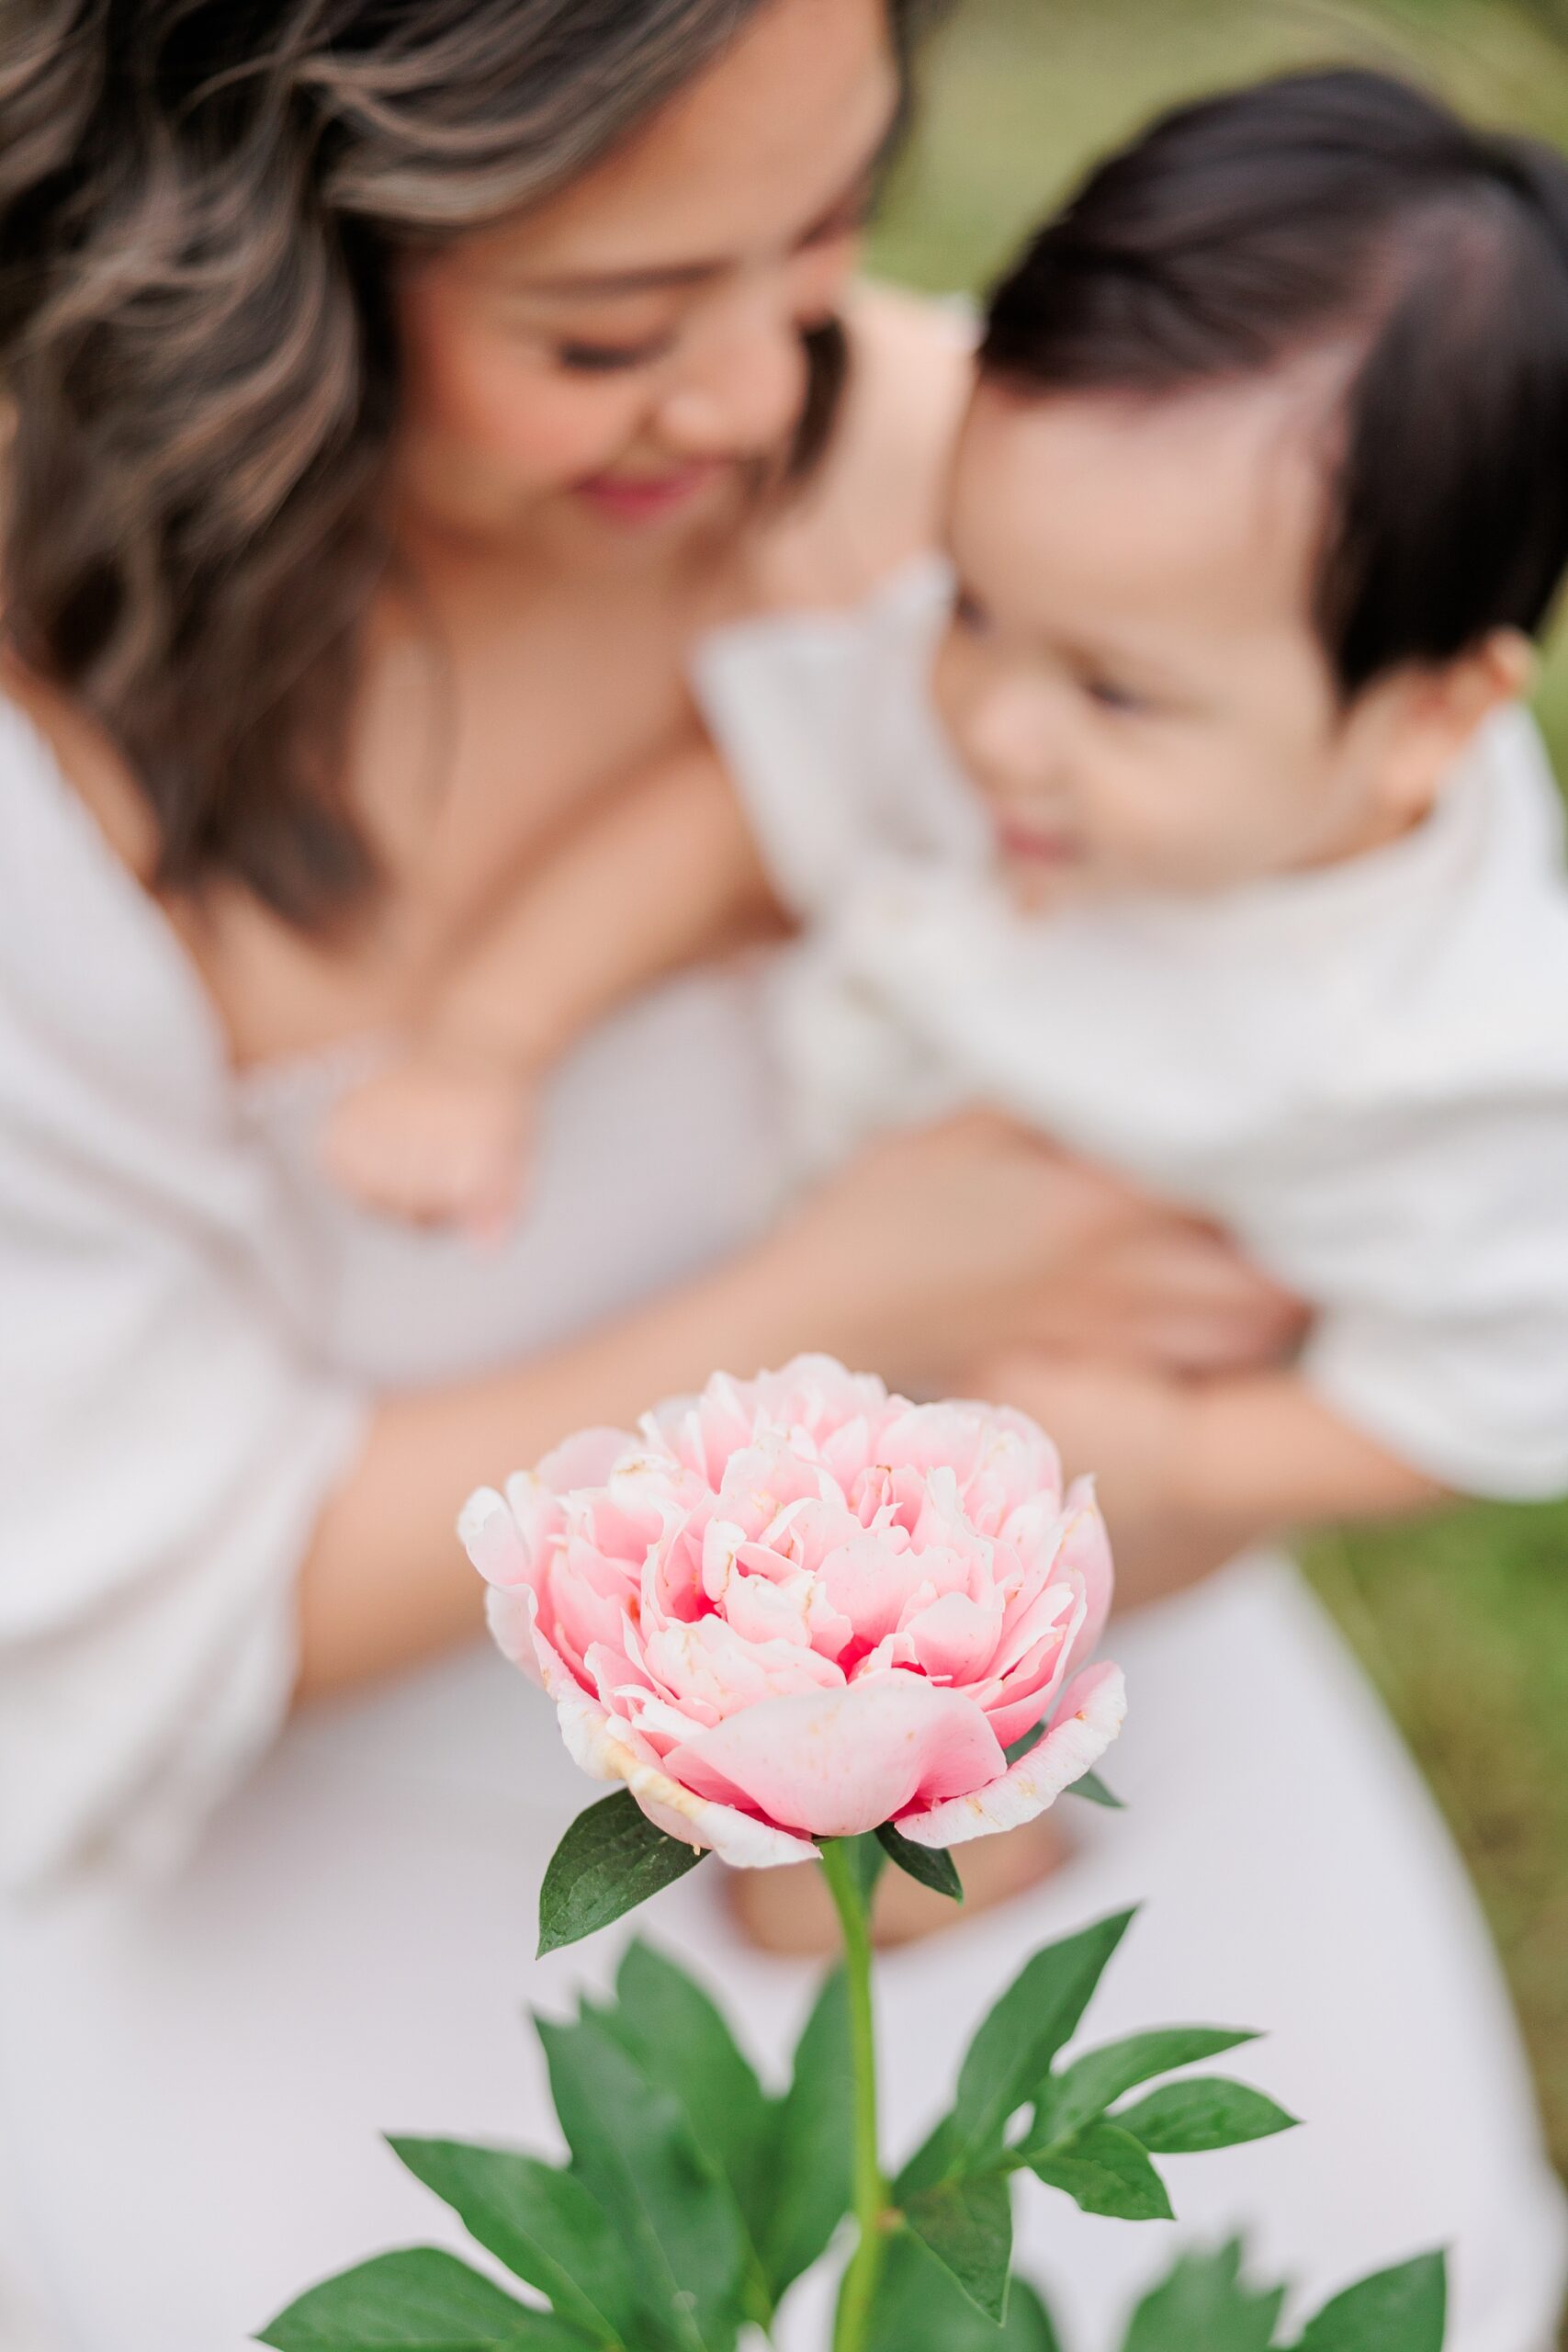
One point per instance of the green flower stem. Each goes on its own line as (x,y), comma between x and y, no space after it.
(870,2203)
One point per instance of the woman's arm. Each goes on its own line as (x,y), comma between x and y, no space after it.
(925,1252)
(385,1584)
(1191,1471)
(930,1254)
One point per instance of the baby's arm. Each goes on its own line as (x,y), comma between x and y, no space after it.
(668,871)
(1191,1470)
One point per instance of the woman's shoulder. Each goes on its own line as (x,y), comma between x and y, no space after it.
(45,735)
(875,501)
(97,998)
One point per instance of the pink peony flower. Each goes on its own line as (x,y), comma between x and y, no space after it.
(797,1607)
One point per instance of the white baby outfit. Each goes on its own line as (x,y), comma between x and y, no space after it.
(1360,1071)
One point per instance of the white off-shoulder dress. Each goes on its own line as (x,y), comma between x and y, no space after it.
(237,1948)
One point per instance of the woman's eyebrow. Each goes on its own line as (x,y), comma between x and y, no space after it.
(612,282)
(669,277)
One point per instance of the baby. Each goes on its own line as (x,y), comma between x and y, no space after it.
(1188,812)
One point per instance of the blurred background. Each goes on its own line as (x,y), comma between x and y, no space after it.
(1461,1622)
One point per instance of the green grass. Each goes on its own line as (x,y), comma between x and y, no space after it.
(1462,1622)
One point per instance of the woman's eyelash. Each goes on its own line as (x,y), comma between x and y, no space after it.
(606,358)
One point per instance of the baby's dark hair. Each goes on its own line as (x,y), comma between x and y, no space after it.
(1245,231)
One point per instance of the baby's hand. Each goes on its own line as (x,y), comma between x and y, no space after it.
(434,1139)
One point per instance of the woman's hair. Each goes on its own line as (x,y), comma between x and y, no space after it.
(1344,209)
(201,202)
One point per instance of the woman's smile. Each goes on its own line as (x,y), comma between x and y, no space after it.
(640,498)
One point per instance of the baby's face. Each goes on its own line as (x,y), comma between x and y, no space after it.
(1131,677)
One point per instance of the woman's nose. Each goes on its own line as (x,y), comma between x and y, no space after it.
(743,384)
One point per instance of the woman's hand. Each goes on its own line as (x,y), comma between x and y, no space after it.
(932,1252)
(1172,1294)
(931,1248)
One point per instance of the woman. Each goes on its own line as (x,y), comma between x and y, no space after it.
(384,383)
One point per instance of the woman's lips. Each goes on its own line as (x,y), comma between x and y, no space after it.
(642,498)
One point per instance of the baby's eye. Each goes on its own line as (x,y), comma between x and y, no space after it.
(608,358)
(969,613)
(850,220)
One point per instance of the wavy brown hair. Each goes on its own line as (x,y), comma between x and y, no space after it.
(200,204)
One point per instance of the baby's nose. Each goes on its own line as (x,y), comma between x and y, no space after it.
(1014,739)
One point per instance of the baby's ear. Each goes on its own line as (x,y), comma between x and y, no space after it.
(1437,711)
(1500,669)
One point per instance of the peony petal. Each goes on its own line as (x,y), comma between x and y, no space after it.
(585,1460)
(1052,1616)
(836,1763)
(953,1639)
(510,1613)
(1086,1549)
(761,1610)
(763,1481)
(596,1743)
(662,1725)
(585,1598)
(708,1669)
(492,1540)
(1087,1720)
(870,1583)
(737,1838)
(614,1676)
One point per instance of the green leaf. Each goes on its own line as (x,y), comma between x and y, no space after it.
(1403,2310)
(812,2182)
(1028,2326)
(1105,2170)
(636,2155)
(933,1865)
(1203,2306)
(1091,1785)
(539,2220)
(1189,2119)
(967,2225)
(1088,2087)
(684,2044)
(1011,2055)
(920,2309)
(1025,1741)
(611,1859)
(415,2301)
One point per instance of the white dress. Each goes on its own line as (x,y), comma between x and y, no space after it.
(250,1947)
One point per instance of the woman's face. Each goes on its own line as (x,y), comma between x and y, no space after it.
(609,365)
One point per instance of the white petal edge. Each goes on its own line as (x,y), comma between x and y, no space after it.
(491,1536)
(738,1839)
(1091,1712)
